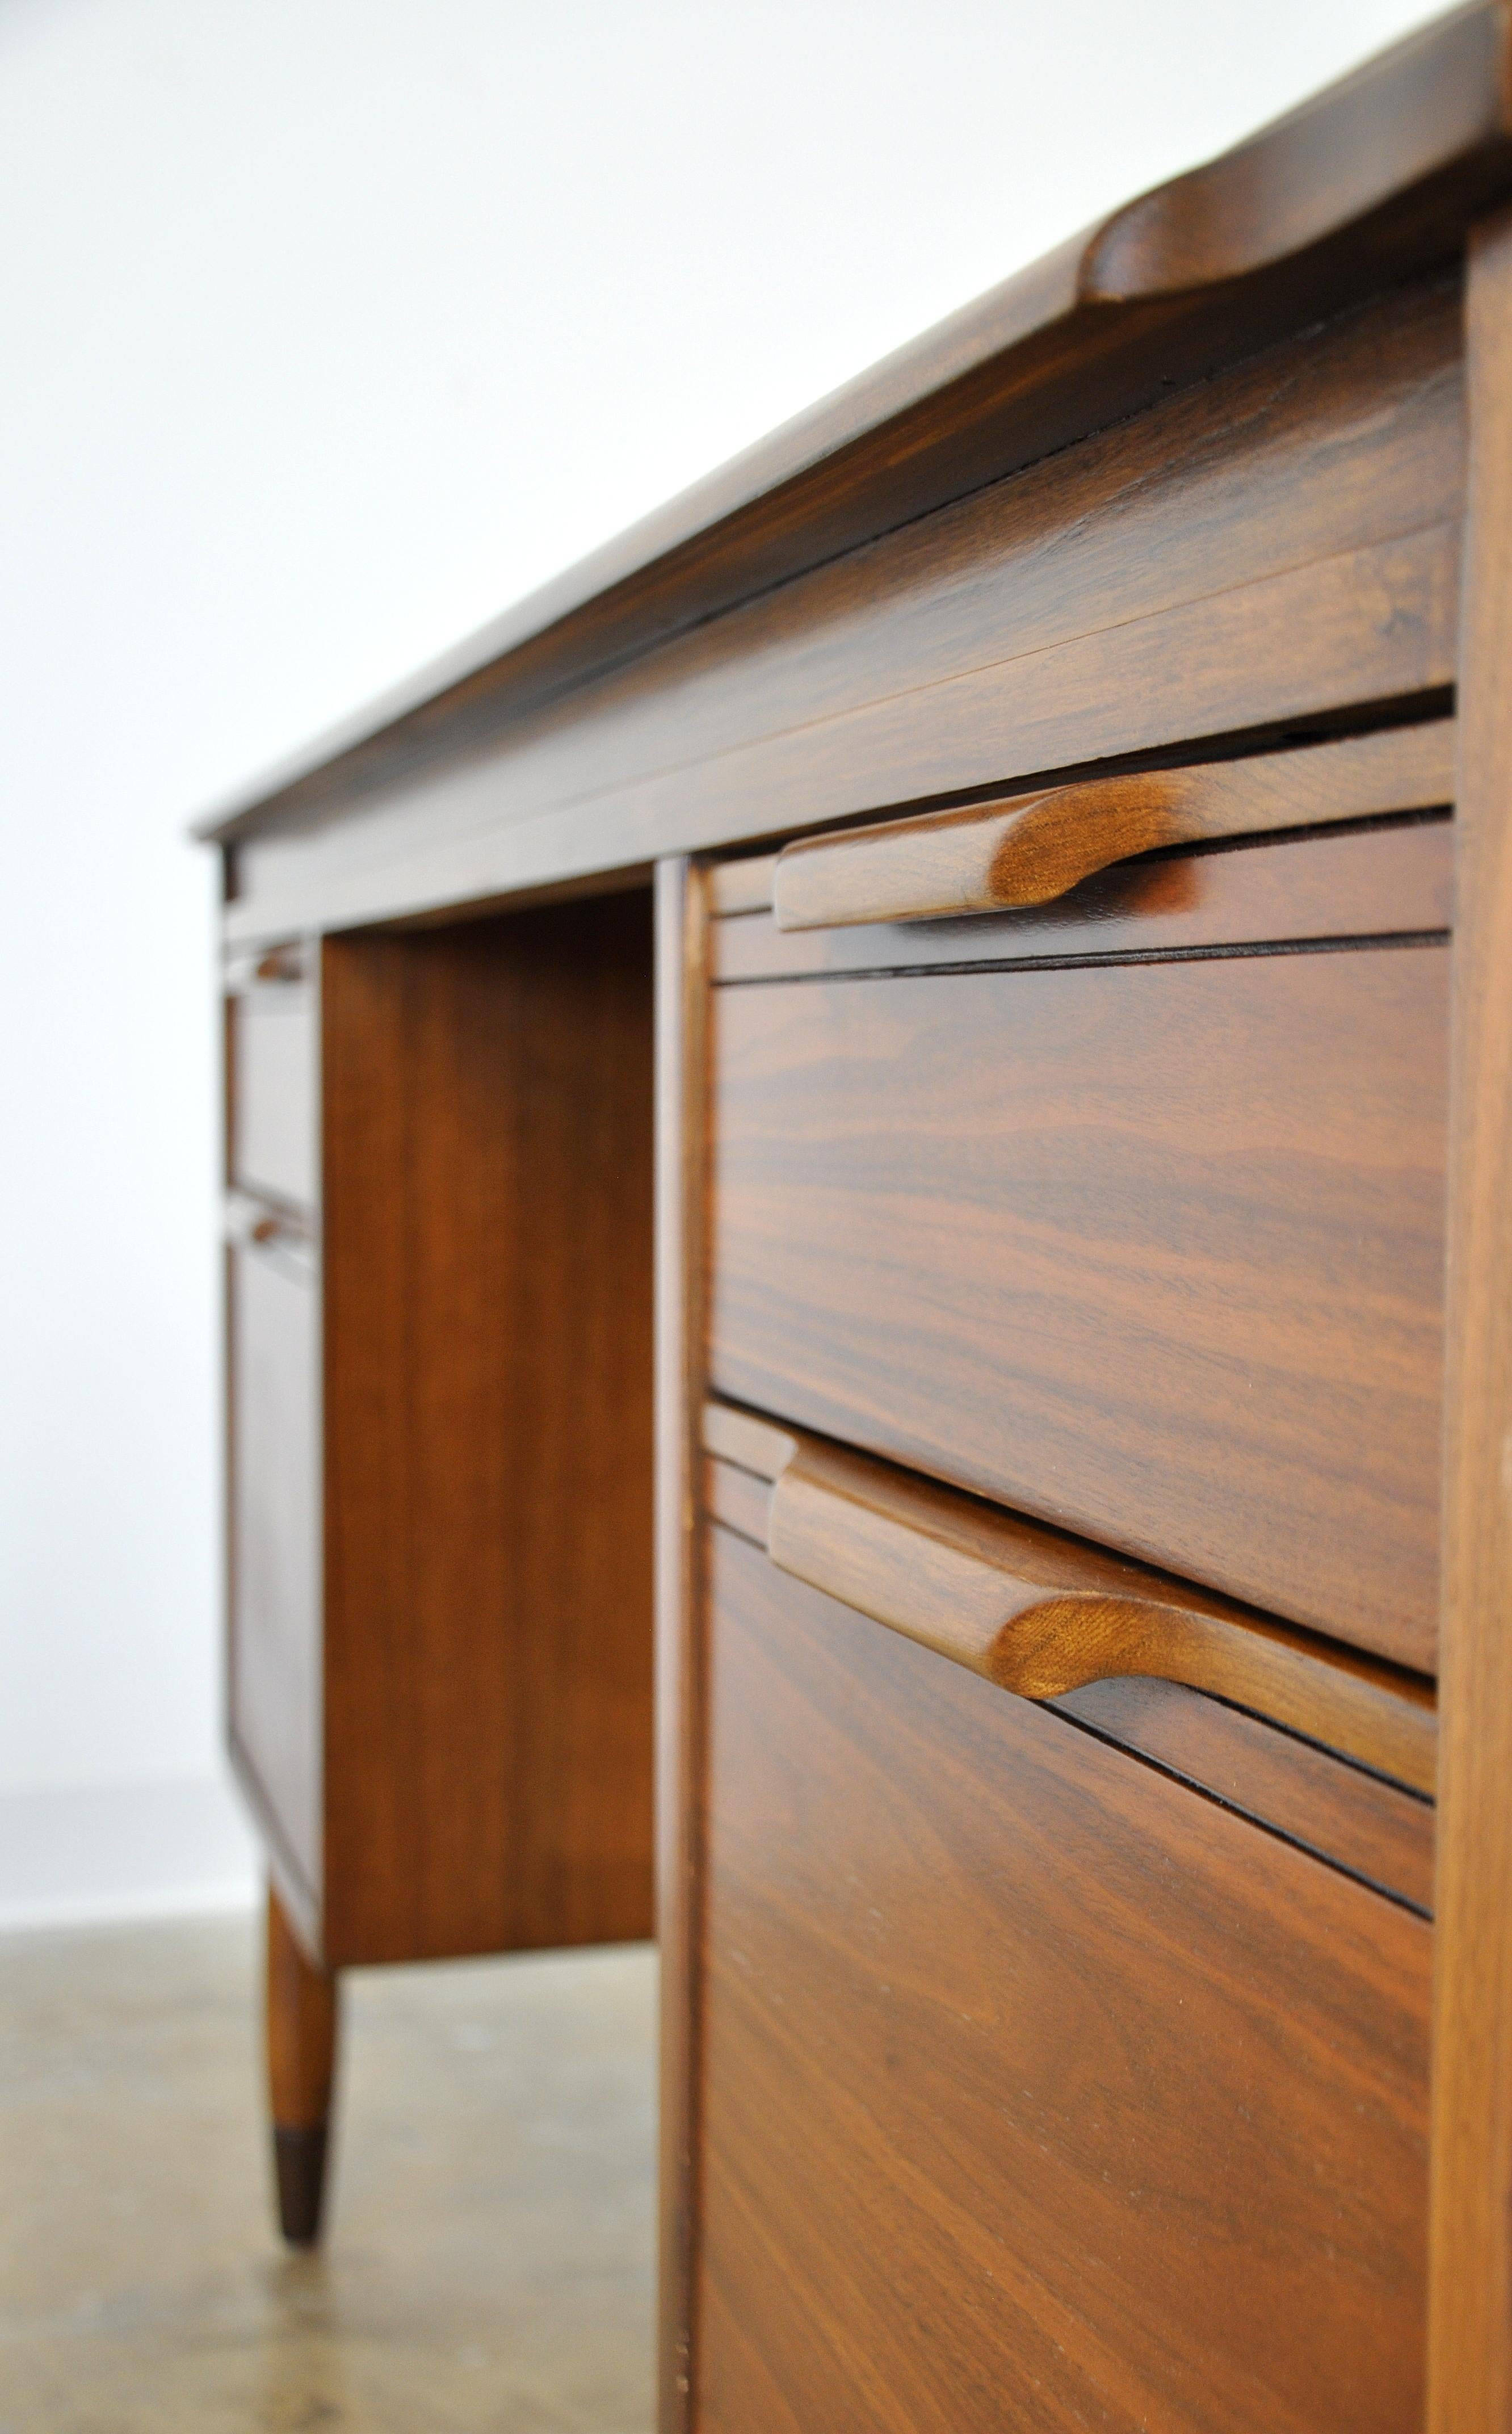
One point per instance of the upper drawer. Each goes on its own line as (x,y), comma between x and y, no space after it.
(274,1080)
(1152,1249)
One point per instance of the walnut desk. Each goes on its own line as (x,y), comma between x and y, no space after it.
(976,947)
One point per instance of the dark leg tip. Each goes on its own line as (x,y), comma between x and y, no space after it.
(299,2157)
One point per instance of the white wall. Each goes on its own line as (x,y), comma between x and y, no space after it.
(330,327)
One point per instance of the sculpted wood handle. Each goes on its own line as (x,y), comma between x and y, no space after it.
(282,964)
(251,1225)
(253,968)
(1040,1613)
(1000,856)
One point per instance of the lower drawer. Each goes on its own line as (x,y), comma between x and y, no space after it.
(1035,2090)
(275,1668)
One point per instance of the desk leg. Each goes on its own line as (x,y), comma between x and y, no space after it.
(301,2046)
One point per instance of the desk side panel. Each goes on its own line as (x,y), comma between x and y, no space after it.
(488,1255)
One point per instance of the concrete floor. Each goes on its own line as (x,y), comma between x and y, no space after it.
(488,2259)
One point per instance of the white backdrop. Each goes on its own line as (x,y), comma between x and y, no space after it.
(331,326)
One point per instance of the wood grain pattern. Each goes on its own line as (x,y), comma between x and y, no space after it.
(1365,184)
(681,1687)
(751,1439)
(1152,1252)
(1254,554)
(1032,1610)
(1354,884)
(1037,2090)
(1471,2309)
(1376,1830)
(1039,1613)
(1343,1813)
(744,887)
(1318,164)
(997,857)
(489,1481)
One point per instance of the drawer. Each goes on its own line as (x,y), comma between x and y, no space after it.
(1034,2088)
(274,1095)
(1146,1243)
(275,1559)
(1335,1750)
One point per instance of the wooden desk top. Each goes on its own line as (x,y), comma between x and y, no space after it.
(1370,184)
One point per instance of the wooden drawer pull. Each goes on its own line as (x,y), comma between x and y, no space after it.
(281,964)
(1002,856)
(1040,1614)
(251,1225)
(288,965)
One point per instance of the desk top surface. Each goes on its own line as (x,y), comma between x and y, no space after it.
(1370,183)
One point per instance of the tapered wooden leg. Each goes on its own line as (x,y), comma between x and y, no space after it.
(302,2052)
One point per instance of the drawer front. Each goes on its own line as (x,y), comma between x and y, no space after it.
(1327,1747)
(1153,1251)
(1035,2089)
(276,1700)
(274,1092)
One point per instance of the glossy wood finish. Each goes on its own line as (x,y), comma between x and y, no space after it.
(301,2011)
(1365,883)
(487,1511)
(1038,2090)
(1374,1829)
(275,1559)
(1367,184)
(274,1099)
(1276,549)
(1471,2313)
(1040,1614)
(1151,1252)
(681,1082)
(998,857)
(1163,1219)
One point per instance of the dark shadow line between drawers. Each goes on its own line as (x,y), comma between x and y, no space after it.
(1250,1816)
(1338,725)
(716,1522)
(1326,1749)
(1305,832)
(1188,1782)
(1248,953)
